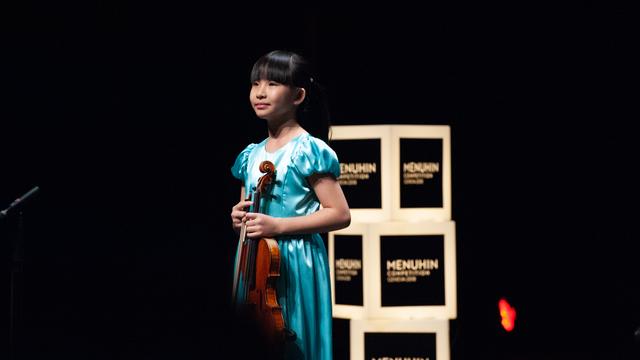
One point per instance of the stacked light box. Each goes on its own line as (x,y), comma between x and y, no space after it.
(393,269)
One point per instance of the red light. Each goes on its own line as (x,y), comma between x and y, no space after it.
(507,314)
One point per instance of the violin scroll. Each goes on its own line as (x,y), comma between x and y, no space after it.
(265,180)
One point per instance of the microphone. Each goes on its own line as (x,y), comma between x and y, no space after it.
(18,201)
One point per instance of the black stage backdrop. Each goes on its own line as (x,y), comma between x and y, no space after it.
(128,118)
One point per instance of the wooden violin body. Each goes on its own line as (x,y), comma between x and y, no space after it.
(258,268)
(262,297)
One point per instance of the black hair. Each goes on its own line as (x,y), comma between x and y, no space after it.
(292,69)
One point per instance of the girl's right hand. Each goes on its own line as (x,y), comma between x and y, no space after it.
(238,212)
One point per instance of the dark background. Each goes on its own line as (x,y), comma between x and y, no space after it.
(128,118)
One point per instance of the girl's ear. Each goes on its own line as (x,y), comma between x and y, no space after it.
(302,93)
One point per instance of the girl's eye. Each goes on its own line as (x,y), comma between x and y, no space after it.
(273,83)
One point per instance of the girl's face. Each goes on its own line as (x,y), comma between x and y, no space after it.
(272,100)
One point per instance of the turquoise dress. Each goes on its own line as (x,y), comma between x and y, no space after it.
(303,288)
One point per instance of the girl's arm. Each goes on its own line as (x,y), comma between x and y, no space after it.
(333,215)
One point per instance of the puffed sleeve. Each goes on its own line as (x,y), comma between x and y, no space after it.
(239,168)
(314,156)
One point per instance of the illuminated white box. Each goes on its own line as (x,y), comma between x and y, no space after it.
(347,249)
(421,176)
(364,152)
(415,274)
(400,339)
(394,270)
(395,172)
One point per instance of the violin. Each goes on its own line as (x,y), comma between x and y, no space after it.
(258,268)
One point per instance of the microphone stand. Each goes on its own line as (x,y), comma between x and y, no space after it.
(16,265)
(4,213)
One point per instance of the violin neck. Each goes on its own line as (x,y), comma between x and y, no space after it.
(255,207)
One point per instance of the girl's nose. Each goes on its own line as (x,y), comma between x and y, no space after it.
(260,91)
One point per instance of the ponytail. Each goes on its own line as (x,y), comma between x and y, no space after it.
(313,113)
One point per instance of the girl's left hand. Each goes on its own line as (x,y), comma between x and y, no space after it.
(261,225)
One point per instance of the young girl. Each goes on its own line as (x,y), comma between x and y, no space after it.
(305,199)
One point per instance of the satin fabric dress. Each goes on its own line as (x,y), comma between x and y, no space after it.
(303,288)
